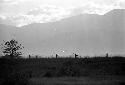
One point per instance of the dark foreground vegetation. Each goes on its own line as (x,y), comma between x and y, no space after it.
(63,71)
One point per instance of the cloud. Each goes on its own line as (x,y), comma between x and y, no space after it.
(8,2)
(12,2)
(52,13)
(15,0)
(42,14)
(100,9)
(3,17)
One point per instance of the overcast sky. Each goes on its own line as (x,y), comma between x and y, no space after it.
(23,5)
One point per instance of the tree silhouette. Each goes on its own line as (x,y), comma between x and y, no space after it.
(11,48)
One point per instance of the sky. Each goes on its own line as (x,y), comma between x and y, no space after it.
(64,25)
(19,6)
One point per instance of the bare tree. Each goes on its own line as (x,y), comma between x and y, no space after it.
(11,48)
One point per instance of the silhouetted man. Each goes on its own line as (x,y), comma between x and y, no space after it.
(107,55)
(76,55)
(56,55)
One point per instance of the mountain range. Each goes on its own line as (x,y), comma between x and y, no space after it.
(85,34)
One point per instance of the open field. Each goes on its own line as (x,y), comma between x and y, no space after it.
(79,81)
(63,71)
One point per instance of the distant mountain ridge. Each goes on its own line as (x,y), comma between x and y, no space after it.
(84,34)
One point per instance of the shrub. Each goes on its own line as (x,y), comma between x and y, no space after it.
(69,68)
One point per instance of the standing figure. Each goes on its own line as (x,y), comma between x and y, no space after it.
(36,56)
(56,55)
(29,56)
(107,55)
(76,55)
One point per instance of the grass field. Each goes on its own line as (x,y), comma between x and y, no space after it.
(63,71)
(79,81)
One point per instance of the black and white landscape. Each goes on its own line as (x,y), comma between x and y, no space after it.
(64,42)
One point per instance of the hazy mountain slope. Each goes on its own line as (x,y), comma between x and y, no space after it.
(88,33)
